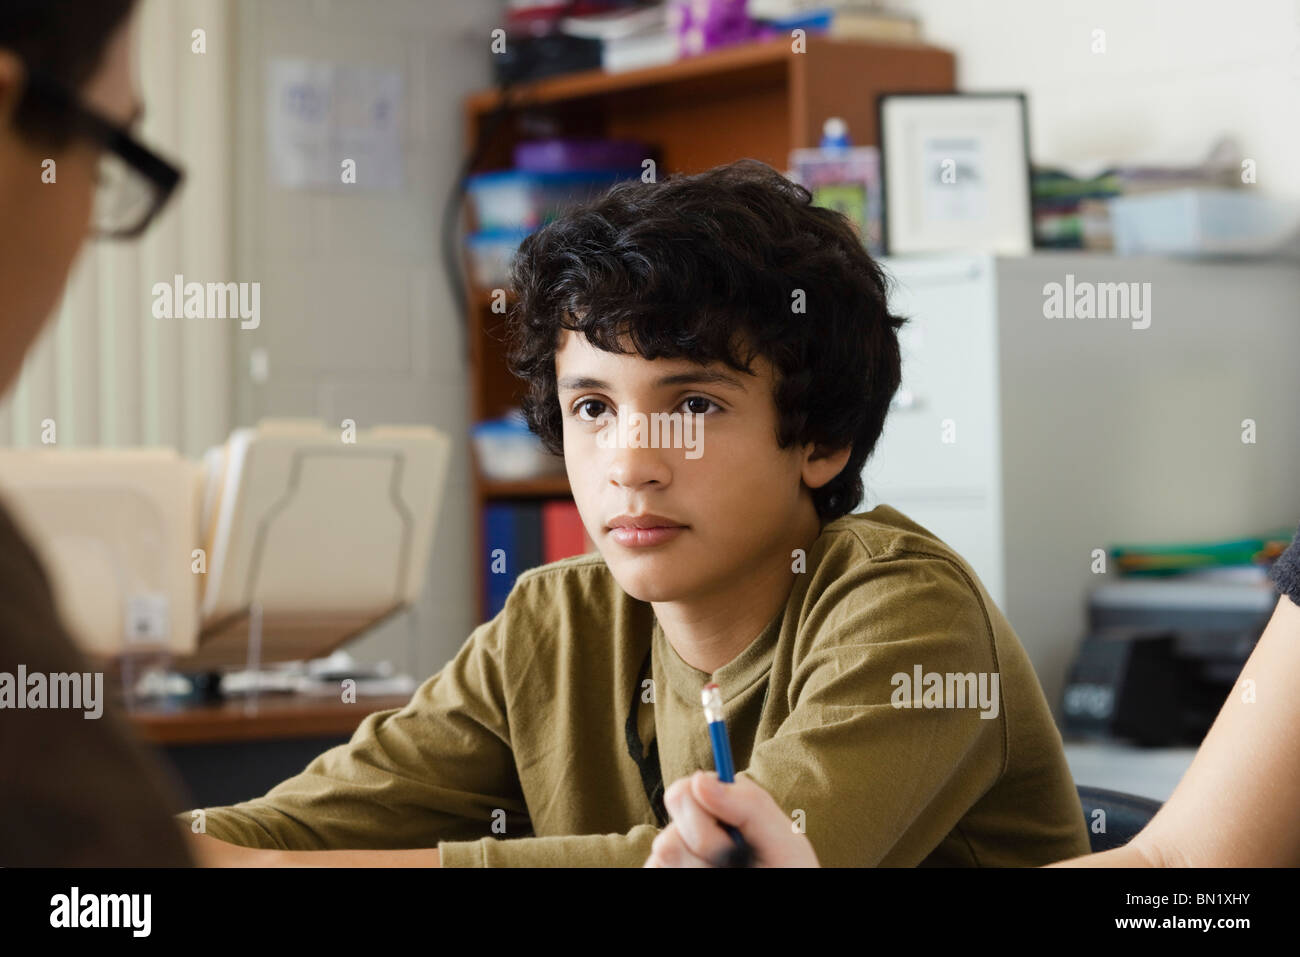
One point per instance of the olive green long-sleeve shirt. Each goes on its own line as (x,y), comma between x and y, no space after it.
(517,752)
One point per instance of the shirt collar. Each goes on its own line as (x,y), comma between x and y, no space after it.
(735,677)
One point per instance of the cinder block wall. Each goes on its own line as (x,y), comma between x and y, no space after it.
(358,321)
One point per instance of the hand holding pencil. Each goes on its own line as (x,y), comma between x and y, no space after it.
(713,814)
(701,804)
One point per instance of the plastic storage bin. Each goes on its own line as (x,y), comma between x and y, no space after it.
(520,199)
(490,253)
(508,452)
(1203,222)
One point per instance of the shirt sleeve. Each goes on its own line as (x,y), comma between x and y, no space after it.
(858,770)
(439,769)
(629,849)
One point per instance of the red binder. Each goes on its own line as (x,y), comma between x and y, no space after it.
(563,534)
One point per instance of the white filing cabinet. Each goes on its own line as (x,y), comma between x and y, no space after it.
(1025,442)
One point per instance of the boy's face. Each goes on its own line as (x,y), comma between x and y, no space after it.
(734,496)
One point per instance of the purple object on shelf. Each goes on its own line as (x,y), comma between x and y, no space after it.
(561,155)
(704,25)
(707,12)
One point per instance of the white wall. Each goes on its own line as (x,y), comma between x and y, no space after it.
(357,317)
(1175,74)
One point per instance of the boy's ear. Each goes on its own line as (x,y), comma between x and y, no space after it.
(821,464)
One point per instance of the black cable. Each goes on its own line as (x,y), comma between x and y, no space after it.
(520,71)
(451,235)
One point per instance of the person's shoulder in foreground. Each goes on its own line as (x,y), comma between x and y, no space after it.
(116,814)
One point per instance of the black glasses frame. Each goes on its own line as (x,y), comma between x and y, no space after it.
(114,137)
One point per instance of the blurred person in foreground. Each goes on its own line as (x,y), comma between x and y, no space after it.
(75,789)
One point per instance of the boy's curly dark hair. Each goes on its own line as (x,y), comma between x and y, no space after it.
(706,267)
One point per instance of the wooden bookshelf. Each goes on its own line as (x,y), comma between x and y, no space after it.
(757,100)
(556,486)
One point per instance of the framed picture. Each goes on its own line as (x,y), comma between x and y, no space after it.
(955,173)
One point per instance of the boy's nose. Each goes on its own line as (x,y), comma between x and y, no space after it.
(634,460)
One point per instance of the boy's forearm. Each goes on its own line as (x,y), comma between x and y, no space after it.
(413,857)
(208,851)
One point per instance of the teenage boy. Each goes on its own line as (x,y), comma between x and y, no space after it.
(872,687)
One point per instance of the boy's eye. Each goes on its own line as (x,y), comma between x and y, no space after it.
(589,402)
(695,405)
(699,399)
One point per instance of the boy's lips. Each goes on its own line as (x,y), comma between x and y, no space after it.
(637,537)
(644,520)
(636,531)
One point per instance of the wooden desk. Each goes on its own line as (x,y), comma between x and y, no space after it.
(222,754)
(277,716)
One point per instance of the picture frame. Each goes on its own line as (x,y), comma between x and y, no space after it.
(955,173)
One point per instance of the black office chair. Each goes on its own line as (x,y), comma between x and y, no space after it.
(1125,815)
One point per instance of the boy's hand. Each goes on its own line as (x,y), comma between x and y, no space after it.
(695,838)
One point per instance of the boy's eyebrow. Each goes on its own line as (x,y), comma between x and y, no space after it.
(700,377)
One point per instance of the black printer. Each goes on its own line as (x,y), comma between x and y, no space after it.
(1161,655)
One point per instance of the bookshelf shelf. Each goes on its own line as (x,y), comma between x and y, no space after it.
(757,100)
(770,53)
(555,486)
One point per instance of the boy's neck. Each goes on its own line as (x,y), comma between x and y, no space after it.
(711,633)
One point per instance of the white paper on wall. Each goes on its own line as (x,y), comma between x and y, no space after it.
(333,126)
